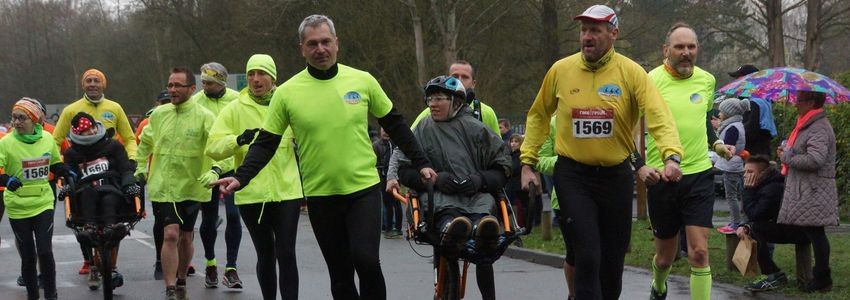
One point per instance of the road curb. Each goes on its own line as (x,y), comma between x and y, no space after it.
(557,261)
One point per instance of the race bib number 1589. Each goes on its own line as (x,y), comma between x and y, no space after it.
(593,123)
(35,168)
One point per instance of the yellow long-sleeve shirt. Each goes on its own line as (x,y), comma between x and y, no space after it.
(107,112)
(597,112)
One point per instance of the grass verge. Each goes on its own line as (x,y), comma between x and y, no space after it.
(642,250)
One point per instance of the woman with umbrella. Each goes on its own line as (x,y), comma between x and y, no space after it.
(811,199)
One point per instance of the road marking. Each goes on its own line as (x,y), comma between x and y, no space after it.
(71,239)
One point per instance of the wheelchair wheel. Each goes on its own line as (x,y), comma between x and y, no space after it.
(448,280)
(106,271)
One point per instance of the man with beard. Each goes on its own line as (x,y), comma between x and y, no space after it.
(689,93)
(597,96)
(179,175)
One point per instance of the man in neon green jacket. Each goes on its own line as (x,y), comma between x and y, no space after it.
(214,96)
(269,207)
(105,111)
(179,173)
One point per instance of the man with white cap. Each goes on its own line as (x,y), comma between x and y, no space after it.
(215,96)
(597,96)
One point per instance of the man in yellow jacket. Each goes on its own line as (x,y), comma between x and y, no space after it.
(178,175)
(107,112)
(104,110)
(269,207)
(597,96)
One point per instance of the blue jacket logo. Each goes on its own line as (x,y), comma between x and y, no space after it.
(610,92)
(696,98)
(108,116)
(352,97)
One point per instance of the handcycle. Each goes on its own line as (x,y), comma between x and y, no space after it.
(92,230)
(421,227)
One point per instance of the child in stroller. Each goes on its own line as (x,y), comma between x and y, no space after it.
(101,195)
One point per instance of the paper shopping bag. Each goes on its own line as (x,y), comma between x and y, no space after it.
(745,258)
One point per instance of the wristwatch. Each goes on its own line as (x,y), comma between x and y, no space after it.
(675,158)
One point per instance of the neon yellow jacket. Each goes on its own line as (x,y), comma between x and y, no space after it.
(107,112)
(215,106)
(620,88)
(546,159)
(280,179)
(175,138)
(35,196)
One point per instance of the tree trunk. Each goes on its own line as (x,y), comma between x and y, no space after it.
(451,38)
(775,33)
(813,36)
(549,18)
(420,48)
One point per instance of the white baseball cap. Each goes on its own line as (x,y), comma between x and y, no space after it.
(599,13)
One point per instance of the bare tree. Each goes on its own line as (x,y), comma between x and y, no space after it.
(454,17)
(419,44)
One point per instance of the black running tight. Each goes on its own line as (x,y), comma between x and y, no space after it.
(273,230)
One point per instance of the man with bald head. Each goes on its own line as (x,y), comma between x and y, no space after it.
(689,93)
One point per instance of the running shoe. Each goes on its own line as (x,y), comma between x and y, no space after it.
(170,293)
(180,292)
(487,235)
(211,279)
(655,295)
(191,270)
(231,279)
(94,278)
(455,235)
(85,269)
(21,281)
(728,229)
(767,282)
(117,279)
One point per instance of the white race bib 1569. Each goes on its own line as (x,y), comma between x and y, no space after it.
(593,122)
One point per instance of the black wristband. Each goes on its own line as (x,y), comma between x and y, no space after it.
(217,170)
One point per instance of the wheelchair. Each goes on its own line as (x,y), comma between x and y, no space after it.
(92,229)
(421,227)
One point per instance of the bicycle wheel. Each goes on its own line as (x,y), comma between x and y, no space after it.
(450,280)
(106,271)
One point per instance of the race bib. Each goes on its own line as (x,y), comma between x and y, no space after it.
(96,166)
(35,168)
(593,123)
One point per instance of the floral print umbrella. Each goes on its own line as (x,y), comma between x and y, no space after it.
(782,84)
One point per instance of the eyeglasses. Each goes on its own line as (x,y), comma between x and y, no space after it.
(430,99)
(177,85)
(19,118)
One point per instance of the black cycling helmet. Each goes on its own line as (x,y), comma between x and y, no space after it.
(447,84)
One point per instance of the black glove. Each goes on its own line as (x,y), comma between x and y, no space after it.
(132,190)
(446,183)
(11,183)
(470,185)
(64,191)
(247,136)
(140,178)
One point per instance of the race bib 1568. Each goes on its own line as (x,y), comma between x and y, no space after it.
(593,122)
(35,168)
